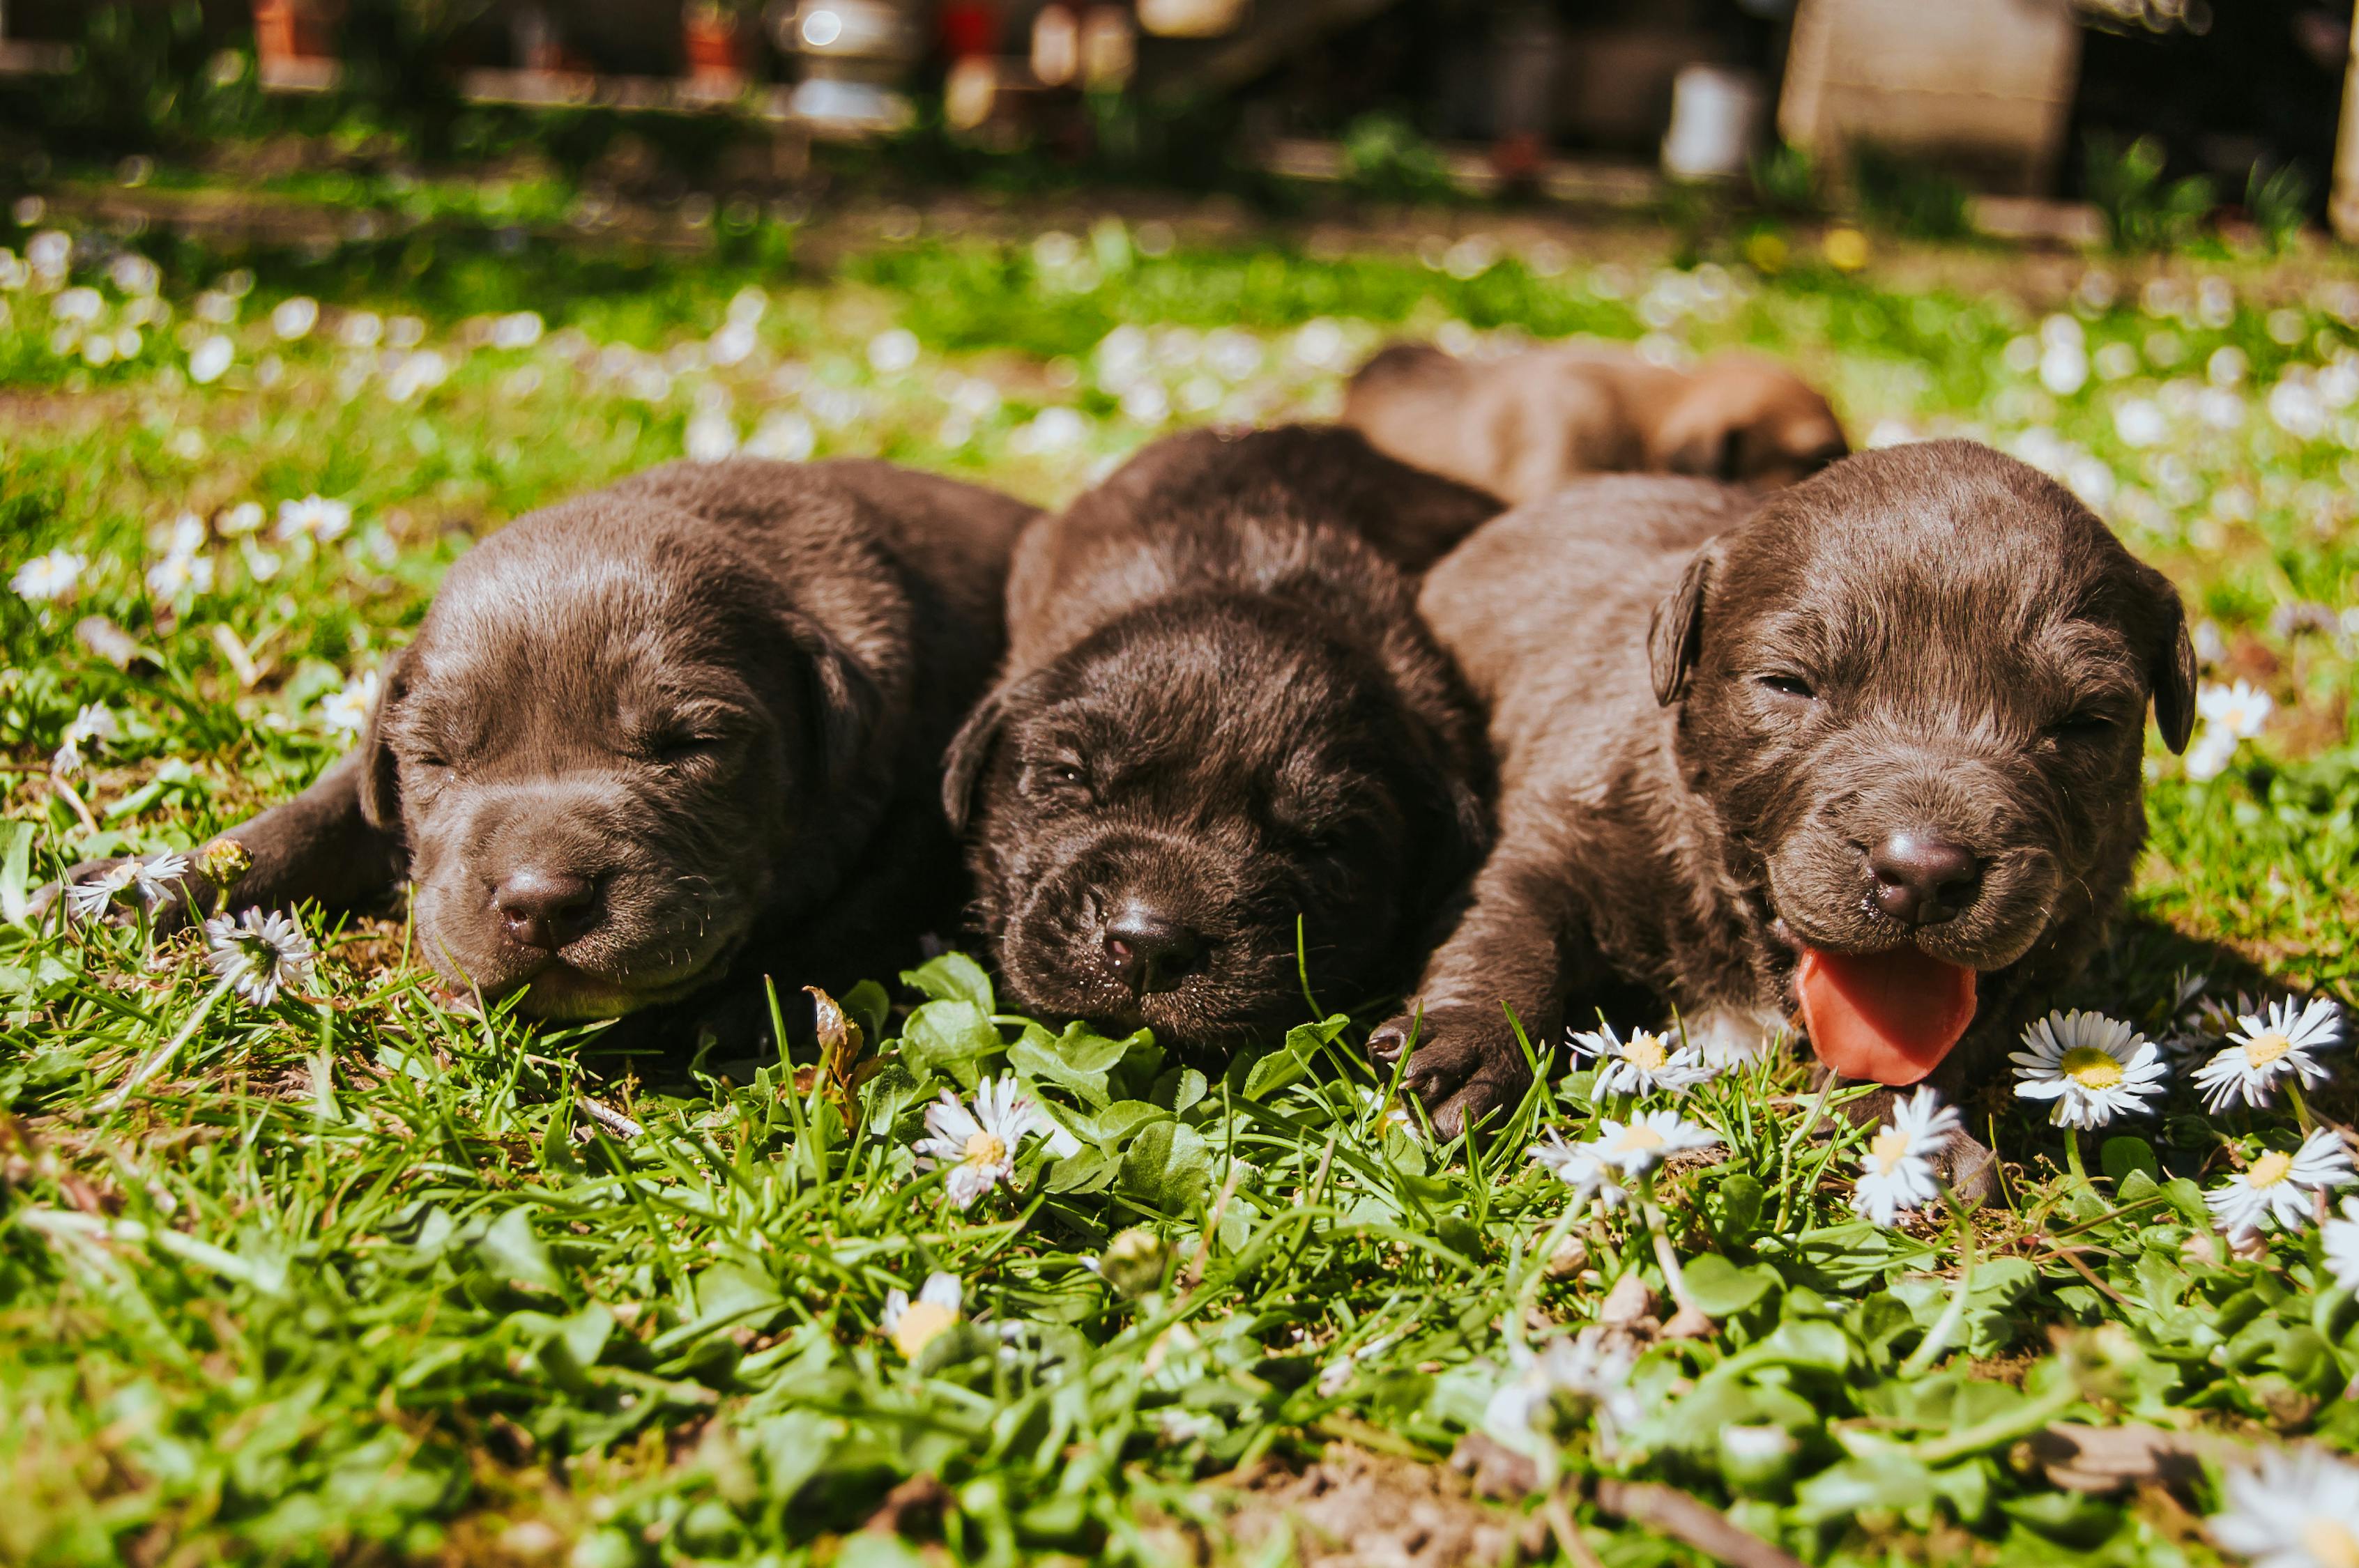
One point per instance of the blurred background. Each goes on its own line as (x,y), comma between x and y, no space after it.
(2147,123)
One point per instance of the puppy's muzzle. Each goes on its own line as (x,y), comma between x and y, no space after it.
(1149,949)
(1919,877)
(545,909)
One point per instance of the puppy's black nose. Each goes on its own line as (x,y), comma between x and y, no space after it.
(545,909)
(1921,879)
(1147,950)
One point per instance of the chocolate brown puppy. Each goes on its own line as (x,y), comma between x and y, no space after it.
(694,718)
(1221,718)
(1864,751)
(1526,424)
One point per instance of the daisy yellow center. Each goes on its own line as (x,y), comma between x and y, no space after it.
(985,1148)
(1647,1053)
(921,1324)
(2090,1068)
(2268,1170)
(1887,1149)
(2330,1544)
(2265,1047)
(1637,1137)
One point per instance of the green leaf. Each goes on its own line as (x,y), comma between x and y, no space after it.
(16,871)
(2187,1199)
(1274,1072)
(1167,1167)
(951,1037)
(510,1250)
(952,977)
(1088,1172)
(731,1290)
(867,1005)
(2069,1518)
(1078,1061)
(1739,1198)
(1111,1128)
(2120,1156)
(1180,1088)
(1882,1480)
(1720,1289)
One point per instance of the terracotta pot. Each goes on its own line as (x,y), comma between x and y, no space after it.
(717,45)
(293,29)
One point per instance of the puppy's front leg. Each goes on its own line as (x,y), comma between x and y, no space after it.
(318,847)
(1506,955)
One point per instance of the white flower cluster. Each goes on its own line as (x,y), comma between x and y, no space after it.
(2095,1068)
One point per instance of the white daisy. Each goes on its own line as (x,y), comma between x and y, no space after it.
(181,573)
(2341,1237)
(45,578)
(314,515)
(912,1326)
(95,721)
(2274,1192)
(1580,1167)
(346,712)
(1579,1376)
(2210,755)
(2269,1046)
(1642,1063)
(259,956)
(1649,1138)
(89,900)
(2238,710)
(157,876)
(2093,1067)
(1896,1171)
(2293,1508)
(978,1145)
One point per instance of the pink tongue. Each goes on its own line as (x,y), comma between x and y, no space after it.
(1888,1018)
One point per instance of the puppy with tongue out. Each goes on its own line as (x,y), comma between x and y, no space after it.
(1861,756)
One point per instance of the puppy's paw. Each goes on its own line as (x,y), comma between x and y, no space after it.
(1970,1166)
(1465,1063)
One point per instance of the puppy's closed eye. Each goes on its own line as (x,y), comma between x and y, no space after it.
(2083,724)
(1059,779)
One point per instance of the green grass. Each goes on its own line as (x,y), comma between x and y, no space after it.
(358,1278)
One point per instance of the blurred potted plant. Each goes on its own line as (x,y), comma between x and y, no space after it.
(719,38)
(294,30)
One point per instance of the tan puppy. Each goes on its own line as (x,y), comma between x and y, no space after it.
(1524,426)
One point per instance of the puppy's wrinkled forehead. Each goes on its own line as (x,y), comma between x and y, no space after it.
(542,631)
(1221,697)
(1900,562)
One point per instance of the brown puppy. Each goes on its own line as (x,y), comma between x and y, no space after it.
(1221,723)
(695,716)
(1867,750)
(1522,425)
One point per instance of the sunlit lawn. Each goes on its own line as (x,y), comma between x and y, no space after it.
(375,1279)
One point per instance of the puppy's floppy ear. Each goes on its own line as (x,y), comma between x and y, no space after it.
(970,752)
(380,774)
(2170,660)
(1675,639)
(843,702)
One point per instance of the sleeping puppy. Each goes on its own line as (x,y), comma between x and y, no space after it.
(693,718)
(1866,752)
(1522,425)
(1221,716)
